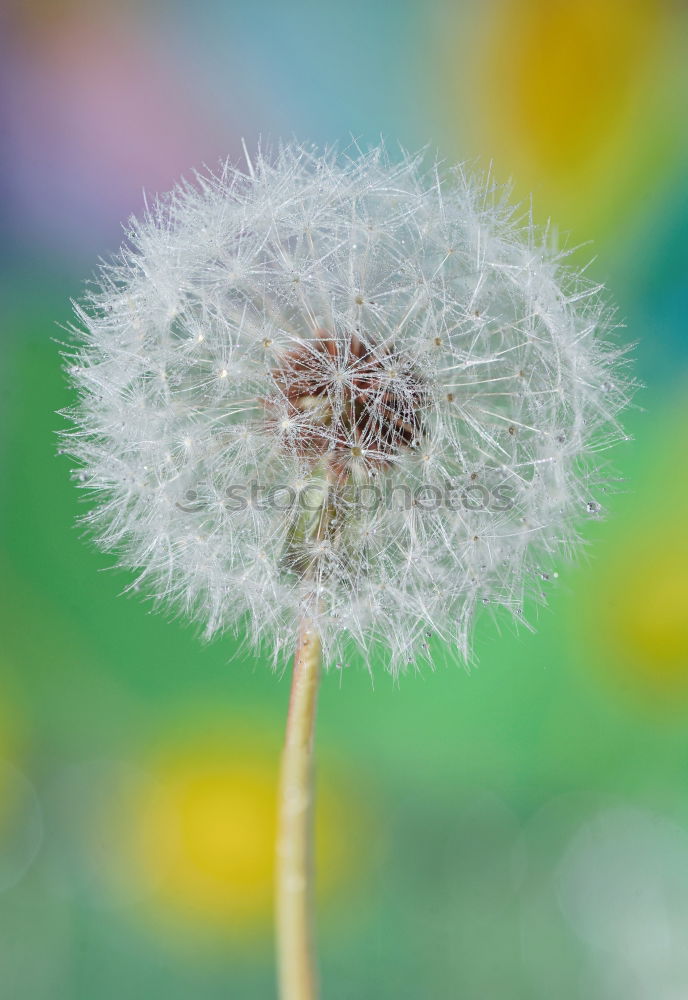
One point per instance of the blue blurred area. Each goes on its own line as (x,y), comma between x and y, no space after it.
(322,72)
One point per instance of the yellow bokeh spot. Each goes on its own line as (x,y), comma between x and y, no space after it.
(634,598)
(648,616)
(8,751)
(204,835)
(563,73)
(576,100)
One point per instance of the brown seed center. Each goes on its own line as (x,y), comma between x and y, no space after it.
(348,399)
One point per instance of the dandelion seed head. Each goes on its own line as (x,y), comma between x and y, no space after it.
(268,347)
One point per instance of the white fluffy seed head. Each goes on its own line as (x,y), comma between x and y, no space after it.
(357,390)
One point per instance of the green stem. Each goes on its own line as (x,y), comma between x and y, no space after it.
(295,869)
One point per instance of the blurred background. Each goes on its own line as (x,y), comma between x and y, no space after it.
(519,831)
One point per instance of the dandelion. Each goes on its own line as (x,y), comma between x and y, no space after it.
(348,398)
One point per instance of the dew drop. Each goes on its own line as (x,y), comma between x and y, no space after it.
(593,507)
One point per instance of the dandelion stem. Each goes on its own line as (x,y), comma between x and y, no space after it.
(295,869)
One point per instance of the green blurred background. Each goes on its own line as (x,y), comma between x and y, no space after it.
(516,831)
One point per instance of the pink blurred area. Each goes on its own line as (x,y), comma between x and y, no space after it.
(96,110)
